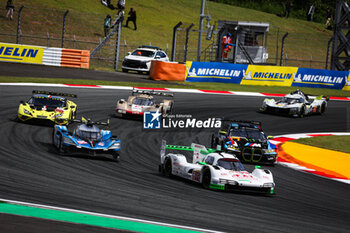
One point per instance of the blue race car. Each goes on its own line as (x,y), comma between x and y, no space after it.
(86,137)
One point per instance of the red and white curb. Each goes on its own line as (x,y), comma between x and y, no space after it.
(175,90)
(278,140)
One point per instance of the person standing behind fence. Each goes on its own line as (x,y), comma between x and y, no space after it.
(107,24)
(329,19)
(287,5)
(310,13)
(10,8)
(131,18)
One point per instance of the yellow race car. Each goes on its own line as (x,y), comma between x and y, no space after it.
(48,106)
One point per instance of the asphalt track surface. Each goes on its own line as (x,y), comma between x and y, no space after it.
(32,171)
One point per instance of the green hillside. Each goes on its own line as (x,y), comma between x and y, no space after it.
(155,20)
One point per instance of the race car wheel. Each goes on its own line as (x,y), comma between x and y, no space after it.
(206,179)
(116,157)
(167,167)
(170,109)
(322,108)
(125,70)
(59,145)
(302,111)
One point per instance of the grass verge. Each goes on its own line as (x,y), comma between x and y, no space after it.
(187,85)
(338,143)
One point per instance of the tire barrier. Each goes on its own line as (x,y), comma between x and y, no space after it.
(44,55)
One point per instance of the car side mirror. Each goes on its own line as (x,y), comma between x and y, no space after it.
(157,57)
(129,53)
(269,137)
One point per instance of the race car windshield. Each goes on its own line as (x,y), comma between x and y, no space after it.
(44,101)
(143,53)
(88,135)
(290,100)
(143,102)
(248,133)
(230,164)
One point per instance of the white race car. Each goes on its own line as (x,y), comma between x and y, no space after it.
(214,170)
(295,104)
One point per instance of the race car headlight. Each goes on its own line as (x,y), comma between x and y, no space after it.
(270,151)
(27,112)
(226,181)
(269,185)
(59,114)
(115,146)
(68,141)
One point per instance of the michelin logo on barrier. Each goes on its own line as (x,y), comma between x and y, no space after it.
(270,76)
(21,53)
(320,78)
(214,72)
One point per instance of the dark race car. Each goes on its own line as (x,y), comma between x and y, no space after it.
(246,140)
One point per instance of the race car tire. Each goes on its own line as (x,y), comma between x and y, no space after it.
(170,109)
(116,157)
(301,112)
(206,179)
(125,70)
(322,108)
(60,146)
(53,137)
(167,167)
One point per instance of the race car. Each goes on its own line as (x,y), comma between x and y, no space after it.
(295,104)
(86,137)
(140,59)
(144,101)
(48,106)
(214,170)
(246,140)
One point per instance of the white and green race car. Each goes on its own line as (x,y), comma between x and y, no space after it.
(214,169)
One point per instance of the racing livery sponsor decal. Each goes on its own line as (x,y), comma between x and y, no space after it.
(214,72)
(320,78)
(269,75)
(21,53)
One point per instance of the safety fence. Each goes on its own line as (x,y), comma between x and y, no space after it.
(77,30)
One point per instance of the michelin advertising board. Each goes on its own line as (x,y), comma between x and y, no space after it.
(21,53)
(320,78)
(269,75)
(260,75)
(214,72)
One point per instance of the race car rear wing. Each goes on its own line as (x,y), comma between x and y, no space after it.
(199,151)
(152,92)
(90,122)
(54,93)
